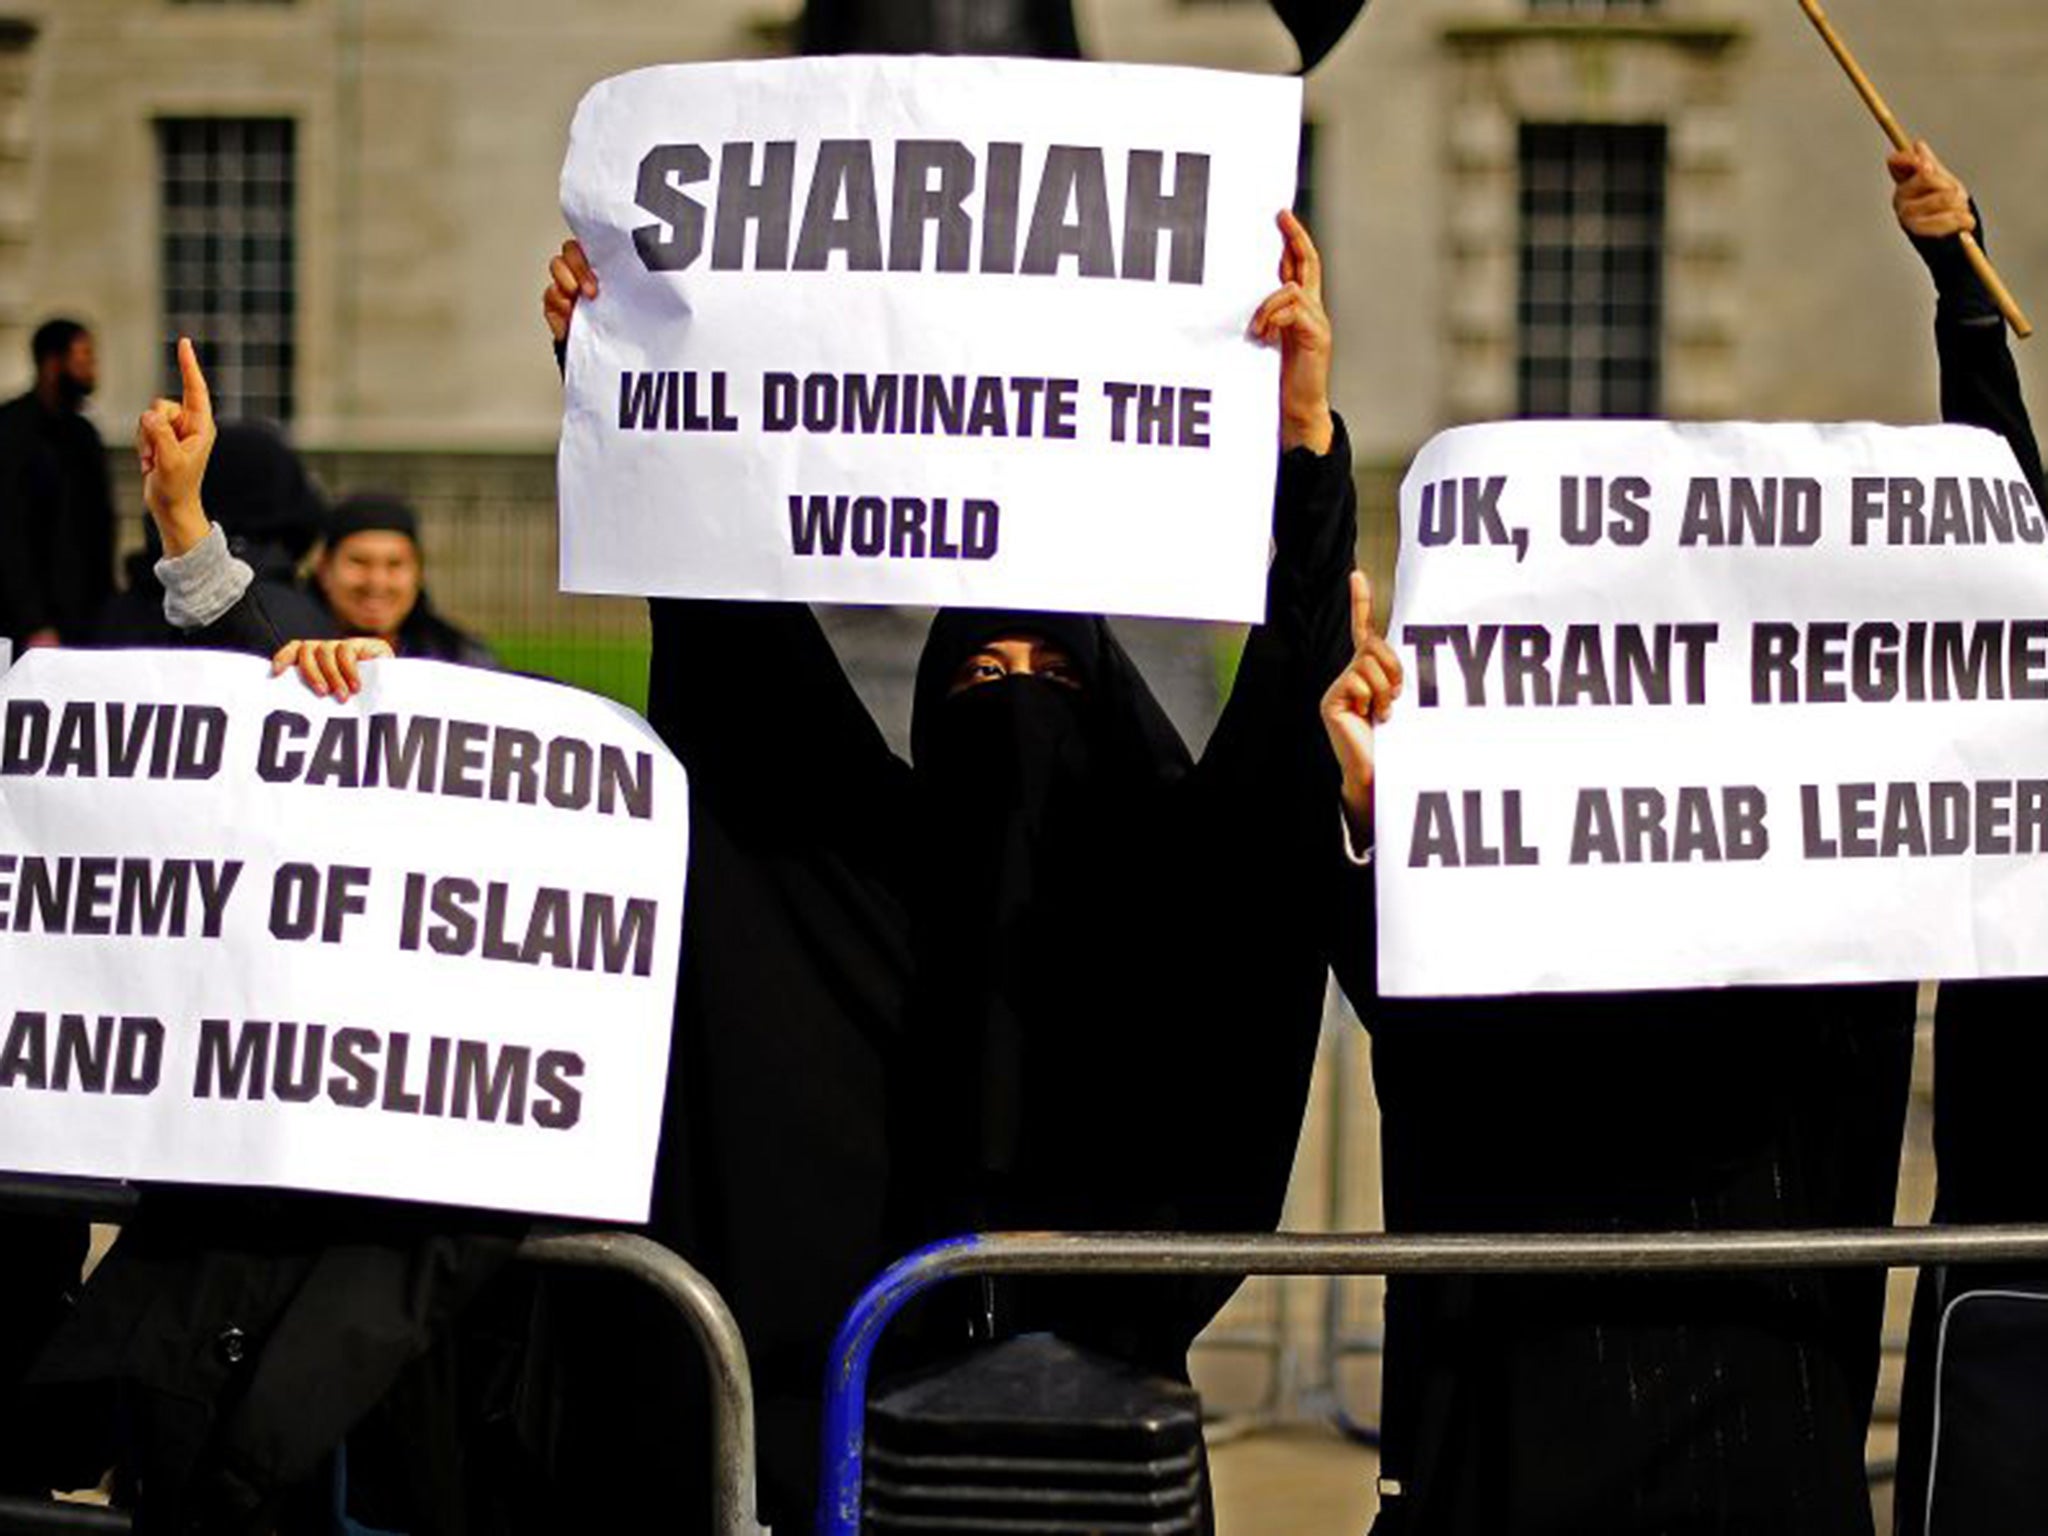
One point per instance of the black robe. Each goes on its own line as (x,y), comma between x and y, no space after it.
(56,521)
(1990,1037)
(1544,1406)
(798,1010)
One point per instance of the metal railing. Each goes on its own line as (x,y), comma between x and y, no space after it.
(1370,1253)
(628,1253)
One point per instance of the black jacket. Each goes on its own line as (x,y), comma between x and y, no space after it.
(56,521)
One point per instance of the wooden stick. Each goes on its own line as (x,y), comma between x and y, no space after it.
(1895,131)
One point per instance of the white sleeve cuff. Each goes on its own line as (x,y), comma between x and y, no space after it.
(1358,856)
(204,582)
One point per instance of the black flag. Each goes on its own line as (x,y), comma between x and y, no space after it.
(1317,25)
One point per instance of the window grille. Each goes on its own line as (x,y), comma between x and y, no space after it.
(229,189)
(1590,312)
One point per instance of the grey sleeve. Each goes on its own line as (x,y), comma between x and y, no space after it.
(203,583)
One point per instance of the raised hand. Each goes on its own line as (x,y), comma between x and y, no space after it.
(173,441)
(1362,696)
(1294,317)
(1926,195)
(570,279)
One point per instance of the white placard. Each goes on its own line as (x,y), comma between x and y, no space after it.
(419,945)
(1776,710)
(926,330)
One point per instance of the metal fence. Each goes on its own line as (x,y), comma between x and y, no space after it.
(1055,1253)
(640,1258)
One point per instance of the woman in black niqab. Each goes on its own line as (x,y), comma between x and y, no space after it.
(1023,1093)
(1060,973)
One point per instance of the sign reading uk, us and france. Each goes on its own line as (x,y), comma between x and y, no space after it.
(926,330)
(1708,705)
(420,945)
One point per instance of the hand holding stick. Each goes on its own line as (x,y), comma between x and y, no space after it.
(1903,141)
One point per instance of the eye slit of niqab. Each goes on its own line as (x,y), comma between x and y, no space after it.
(1011,655)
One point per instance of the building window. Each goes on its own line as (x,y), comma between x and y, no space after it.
(230,189)
(1590,313)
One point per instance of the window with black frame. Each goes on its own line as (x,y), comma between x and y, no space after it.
(1590,308)
(228,189)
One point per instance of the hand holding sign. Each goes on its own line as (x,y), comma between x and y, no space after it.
(173,440)
(569,279)
(329,666)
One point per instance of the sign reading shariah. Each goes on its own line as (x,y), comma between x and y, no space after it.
(421,945)
(1715,704)
(926,330)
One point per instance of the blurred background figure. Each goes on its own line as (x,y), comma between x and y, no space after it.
(56,513)
(370,576)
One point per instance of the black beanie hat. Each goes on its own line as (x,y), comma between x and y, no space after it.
(372,512)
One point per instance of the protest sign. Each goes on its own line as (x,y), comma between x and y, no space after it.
(422,944)
(1703,705)
(924,330)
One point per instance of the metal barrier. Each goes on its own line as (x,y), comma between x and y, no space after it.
(628,1253)
(1370,1253)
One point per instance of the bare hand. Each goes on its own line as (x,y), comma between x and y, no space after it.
(1930,202)
(570,279)
(1362,696)
(173,441)
(329,666)
(1294,316)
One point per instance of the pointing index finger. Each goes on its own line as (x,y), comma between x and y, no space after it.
(1308,262)
(198,398)
(1361,610)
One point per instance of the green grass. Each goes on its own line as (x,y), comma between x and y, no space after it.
(616,668)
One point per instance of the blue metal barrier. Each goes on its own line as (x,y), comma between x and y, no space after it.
(1368,1253)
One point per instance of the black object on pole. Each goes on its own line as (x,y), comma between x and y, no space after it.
(1317,25)
(1041,29)
(1036,1434)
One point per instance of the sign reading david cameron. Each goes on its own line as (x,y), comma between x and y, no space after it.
(926,330)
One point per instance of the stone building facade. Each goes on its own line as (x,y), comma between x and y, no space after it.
(421,141)
(1528,205)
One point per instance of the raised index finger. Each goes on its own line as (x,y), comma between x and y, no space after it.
(1361,610)
(1308,262)
(198,398)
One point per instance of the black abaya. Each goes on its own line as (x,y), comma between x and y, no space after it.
(821,893)
(1990,1037)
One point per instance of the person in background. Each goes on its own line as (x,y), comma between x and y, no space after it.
(1987,1408)
(371,577)
(56,511)
(56,564)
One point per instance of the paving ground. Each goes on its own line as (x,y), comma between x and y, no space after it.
(1302,1479)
